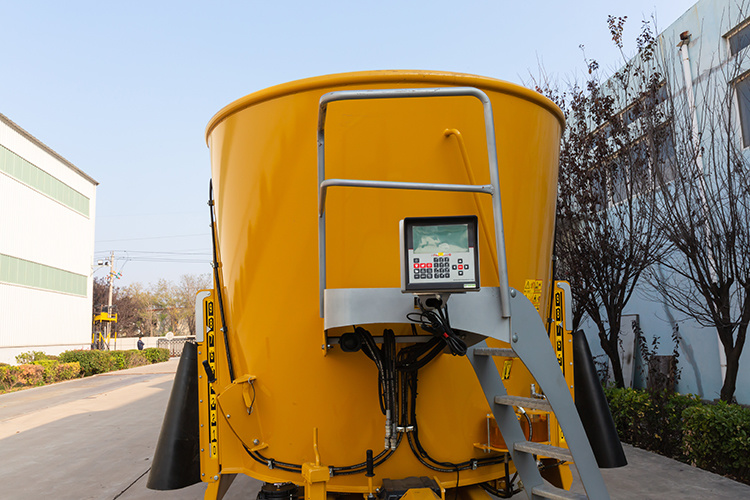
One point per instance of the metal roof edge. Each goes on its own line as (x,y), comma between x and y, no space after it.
(46,149)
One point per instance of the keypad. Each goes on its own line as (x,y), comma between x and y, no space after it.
(440,268)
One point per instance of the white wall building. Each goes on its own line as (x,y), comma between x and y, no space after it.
(47,208)
(699,50)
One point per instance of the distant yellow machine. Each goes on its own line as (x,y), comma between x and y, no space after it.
(103,332)
(384,320)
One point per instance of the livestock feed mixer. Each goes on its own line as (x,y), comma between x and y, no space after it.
(382,323)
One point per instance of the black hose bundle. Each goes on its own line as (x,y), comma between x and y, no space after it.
(437,322)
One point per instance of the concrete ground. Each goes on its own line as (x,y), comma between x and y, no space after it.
(94,438)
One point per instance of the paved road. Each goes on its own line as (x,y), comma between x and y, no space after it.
(91,438)
(94,438)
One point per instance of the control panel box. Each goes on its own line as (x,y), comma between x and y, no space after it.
(439,254)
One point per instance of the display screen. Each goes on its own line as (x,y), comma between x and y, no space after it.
(452,238)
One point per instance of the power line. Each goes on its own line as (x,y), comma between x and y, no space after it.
(156,237)
(207,253)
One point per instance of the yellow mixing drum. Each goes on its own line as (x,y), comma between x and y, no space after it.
(383,248)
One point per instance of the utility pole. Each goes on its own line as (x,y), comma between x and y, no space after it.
(111,289)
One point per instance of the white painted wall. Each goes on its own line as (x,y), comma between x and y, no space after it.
(40,229)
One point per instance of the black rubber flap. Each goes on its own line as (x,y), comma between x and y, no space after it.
(176,460)
(593,408)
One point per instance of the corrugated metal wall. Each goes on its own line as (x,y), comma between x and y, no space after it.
(40,229)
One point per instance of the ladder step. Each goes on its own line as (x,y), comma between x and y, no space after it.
(545,450)
(548,491)
(528,403)
(495,351)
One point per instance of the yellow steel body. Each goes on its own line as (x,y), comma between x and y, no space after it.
(264,171)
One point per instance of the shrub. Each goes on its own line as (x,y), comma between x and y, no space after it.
(67,371)
(91,362)
(27,358)
(717,438)
(629,409)
(156,354)
(21,375)
(55,371)
(8,377)
(50,372)
(30,375)
(128,359)
(650,420)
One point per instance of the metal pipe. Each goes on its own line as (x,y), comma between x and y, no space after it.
(489,123)
(419,186)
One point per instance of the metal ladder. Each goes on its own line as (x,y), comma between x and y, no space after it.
(486,313)
(531,345)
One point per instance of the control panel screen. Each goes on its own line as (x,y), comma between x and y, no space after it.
(439,254)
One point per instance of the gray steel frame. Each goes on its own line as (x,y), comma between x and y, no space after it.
(492,189)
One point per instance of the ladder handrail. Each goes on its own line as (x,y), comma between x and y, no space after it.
(493,188)
(420,186)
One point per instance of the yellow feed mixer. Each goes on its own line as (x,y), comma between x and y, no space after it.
(384,321)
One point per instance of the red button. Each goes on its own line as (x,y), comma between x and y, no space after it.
(429,264)
(460,266)
(416,266)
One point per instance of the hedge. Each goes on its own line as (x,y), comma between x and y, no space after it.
(652,421)
(156,354)
(715,437)
(37,373)
(128,359)
(37,368)
(93,361)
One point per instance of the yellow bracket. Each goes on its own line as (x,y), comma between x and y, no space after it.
(316,476)
(442,490)
(261,446)
(420,494)
(315,446)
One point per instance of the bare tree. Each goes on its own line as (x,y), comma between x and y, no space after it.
(126,306)
(185,290)
(164,306)
(706,214)
(611,153)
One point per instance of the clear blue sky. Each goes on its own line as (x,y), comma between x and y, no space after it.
(124,90)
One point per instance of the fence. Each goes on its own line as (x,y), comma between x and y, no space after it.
(175,344)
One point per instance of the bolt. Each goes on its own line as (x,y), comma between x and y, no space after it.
(512,293)
(201,400)
(203,474)
(323,346)
(216,478)
(200,376)
(228,415)
(256,442)
(201,425)
(202,450)
(199,352)
(515,337)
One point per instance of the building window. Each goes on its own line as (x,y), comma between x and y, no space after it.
(23,272)
(739,38)
(36,178)
(742,87)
